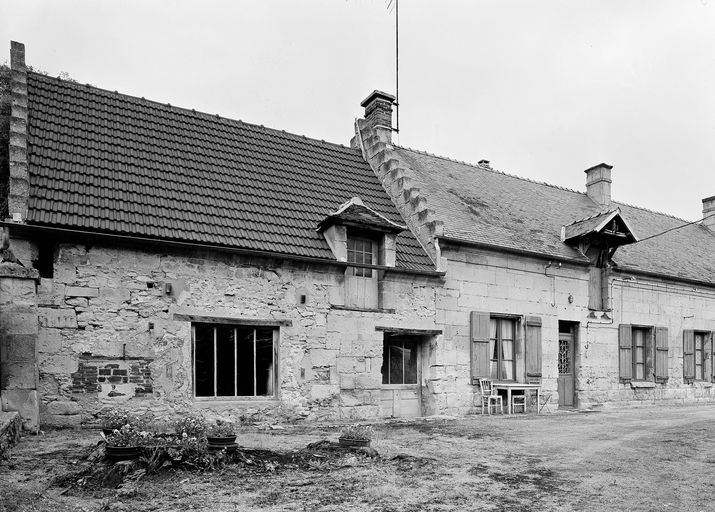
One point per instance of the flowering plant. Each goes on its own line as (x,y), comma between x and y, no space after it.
(128,435)
(362,432)
(115,418)
(192,425)
(221,429)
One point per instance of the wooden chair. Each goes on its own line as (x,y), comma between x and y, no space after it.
(544,398)
(518,401)
(489,396)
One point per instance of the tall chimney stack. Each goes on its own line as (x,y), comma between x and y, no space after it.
(598,184)
(378,114)
(709,209)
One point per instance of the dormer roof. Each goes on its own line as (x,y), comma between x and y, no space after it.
(354,213)
(610,225)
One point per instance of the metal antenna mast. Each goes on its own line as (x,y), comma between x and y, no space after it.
(396,128)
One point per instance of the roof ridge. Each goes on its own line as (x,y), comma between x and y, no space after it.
(187,110)
(496,171)
(651,211)
(598,214)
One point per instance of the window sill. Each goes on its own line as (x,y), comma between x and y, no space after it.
(644,384)
(219,400)
(364,310)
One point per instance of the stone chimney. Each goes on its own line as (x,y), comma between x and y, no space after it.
(598,184)
(709,209)
(19,171)
(378,114)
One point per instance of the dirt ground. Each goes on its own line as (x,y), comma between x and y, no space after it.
(646,459)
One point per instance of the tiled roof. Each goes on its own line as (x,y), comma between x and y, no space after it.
(485,206)
(112,163)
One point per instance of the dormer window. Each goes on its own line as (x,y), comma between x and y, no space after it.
(598,237)
(363,251)
(359,235)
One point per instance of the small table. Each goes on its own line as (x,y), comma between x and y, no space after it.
(517,386)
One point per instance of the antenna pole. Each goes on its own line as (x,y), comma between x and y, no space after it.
(397,65)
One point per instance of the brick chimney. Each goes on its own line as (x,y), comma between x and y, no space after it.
(709,209)
(598,184)
(378,113)
(19,172)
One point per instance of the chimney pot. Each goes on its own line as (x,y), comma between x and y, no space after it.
(598,184)
(709,212)
(378,113)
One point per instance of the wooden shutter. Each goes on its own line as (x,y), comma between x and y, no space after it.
(532,346)
(708,358)
(625,352)
(479,335)
(661,354)
(688,355)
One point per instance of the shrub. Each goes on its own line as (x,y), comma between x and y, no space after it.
(363,432)
(192,425)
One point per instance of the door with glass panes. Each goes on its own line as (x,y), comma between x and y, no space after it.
(400,394)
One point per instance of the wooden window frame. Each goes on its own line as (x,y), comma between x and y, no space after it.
(515,339)
(234,325)
(360,255)
(655,354)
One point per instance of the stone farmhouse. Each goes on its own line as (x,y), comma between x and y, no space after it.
(167,260)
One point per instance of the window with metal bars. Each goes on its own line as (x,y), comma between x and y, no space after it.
(234,360)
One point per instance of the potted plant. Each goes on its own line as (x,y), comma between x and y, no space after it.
(220,435)
(356,435)
(193,425)
(125,442)
(115,418)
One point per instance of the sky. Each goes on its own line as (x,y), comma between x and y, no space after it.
(544,90)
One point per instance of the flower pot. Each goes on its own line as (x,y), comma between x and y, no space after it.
(353,443)
(219,443)
(121,452)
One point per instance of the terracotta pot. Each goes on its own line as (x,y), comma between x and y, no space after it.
(354,443)
(219,443)
(121,452)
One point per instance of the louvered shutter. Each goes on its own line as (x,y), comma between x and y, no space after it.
(532,346)
(661,354)
(625,352)
(688,355)
(479,335)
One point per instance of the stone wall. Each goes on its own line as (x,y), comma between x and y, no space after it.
(480,280)
(18,338)
(113,330)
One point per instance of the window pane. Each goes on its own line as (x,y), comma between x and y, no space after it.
(507,349)
(640,371)
(225,362)
(245,361)
(264,361)
(638,355)
(395,364)
(410,364)
(507,329)
(493,328)
(204,359)
(507,370)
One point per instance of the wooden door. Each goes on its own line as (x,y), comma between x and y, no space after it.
(567,374)
(400,394)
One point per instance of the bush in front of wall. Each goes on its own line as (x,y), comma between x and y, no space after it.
(193,425)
